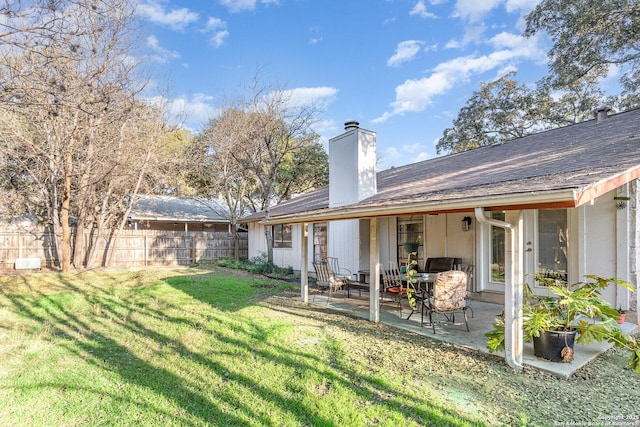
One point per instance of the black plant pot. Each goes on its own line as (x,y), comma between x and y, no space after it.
(549,344)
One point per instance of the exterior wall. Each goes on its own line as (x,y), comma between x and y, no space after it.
(634,246)
(283,257)
(599,250)
(343,242)
(257,242)
(289,257)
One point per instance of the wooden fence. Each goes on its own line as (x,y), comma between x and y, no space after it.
(135,248)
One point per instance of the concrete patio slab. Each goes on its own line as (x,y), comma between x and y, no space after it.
(483,316)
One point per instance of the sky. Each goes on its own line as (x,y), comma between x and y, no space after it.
(401,68)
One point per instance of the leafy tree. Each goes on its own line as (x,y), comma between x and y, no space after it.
(213,168)
(503,109)
(303,170)
(589,37)
(259,151)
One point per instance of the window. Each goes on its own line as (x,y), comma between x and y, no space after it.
(410,230)
(497,252)
(319,241)
(552,244)
(282,236)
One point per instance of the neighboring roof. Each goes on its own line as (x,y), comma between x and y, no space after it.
(564,167)
(179,209)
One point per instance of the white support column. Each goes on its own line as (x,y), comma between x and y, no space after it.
(304,263)
(374,270)
(623,244)
(513,339)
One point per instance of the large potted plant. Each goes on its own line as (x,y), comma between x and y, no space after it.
(576,313)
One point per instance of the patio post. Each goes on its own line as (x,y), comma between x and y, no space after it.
(374,271)
(513,339)
(304,264)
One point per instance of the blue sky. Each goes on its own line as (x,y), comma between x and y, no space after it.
(402,68)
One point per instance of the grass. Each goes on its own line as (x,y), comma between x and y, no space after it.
(190,347)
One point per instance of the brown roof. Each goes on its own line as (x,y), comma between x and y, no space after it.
(563,167)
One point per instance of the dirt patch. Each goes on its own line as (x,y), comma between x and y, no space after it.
(476,383)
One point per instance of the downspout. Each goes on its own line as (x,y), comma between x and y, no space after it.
(513,341)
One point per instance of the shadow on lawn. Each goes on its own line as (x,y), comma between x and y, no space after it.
(134,334)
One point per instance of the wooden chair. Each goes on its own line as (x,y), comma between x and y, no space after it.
(392,287)
(326,280)
(449,297)
(340,273)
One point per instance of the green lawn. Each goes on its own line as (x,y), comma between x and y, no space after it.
(184,347)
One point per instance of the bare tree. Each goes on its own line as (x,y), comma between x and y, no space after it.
(216,171)
(70,87)
(260,150)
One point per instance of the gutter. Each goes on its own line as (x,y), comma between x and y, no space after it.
(513,340)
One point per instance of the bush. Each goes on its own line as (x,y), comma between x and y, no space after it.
(257,265)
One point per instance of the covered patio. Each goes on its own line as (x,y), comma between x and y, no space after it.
(357,305)
(561,204)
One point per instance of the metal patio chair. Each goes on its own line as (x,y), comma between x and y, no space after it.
(449,298)
(327,281)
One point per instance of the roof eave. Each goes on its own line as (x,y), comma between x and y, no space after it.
(564,198)
(596,190)
(177,219)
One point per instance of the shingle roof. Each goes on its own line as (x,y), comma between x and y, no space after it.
(168,208)
(570,160)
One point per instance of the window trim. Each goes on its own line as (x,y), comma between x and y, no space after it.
(281,238)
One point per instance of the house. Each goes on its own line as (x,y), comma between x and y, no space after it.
(562,203)
(168,213)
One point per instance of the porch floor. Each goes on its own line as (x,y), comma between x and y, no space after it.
(483,316)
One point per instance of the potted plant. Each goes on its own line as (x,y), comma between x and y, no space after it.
(577,313)
(622,314)
(411,247)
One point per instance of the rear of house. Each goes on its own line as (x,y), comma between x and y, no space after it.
(561,203)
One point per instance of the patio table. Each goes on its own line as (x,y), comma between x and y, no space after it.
(423,284)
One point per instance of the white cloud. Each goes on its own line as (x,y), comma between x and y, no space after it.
(474,10)
(453,44)
(191,112)
(160,54)
(521,46)
(214,23)
(405,51)
(219,38)
(305,96)
(176,19)
(421,10)
(473,34)
(218,27)
(393,155)
(240,5)
(415,95)
(522,6)
(317,35)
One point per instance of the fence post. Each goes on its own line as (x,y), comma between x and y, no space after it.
(193,249)
(145,248)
